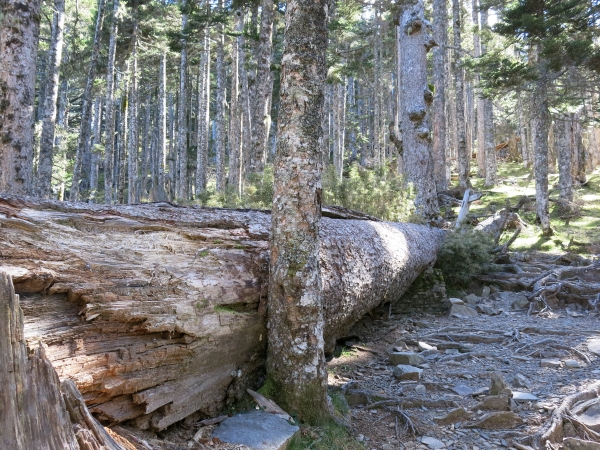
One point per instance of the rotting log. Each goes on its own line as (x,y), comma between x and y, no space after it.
(36,411)
(157,311)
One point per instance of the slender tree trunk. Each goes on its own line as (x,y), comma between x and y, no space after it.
(182,178)
(261,116)
(109,141)
(339,127)
(491,165)
(463,157)
(95,162)
(19,32)
(415,42)
(220,112)
(83,141)
(563,145)
(296,358)
(44,174)
(579,151)
(122,132)
(440,30)
(235,108)
(477,50)
(133,196)
(203,128)
(377,87)
(161,151)
(523,131)
(541,130)
(172,158)
(326,125)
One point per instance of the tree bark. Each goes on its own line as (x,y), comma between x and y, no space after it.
(235,108)
(203,126)
(415,42)
(182,178)
(477,51)
(109,142)
(296,357)
(159,193)
(150,308)
(463,157)
(261,116)
(133,196)
(491,165)
(19,32)
(44,172)
(96,156)
(440,35)
(83,141)
(220,110)
(563,146)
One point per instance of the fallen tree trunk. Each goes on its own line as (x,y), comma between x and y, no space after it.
(36,412)
(156,311)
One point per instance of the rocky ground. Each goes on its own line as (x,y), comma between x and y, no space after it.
(486,376)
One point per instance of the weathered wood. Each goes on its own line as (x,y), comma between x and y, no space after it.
(156,311)
(33,412)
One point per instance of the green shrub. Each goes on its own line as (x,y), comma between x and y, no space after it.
(463,256)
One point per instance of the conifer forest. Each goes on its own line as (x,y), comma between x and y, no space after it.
(377,220)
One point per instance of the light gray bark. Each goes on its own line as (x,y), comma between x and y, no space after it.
(261,117)
(44,171)
(579,150)
(109,141)
(95,150)
(19,32)
(563,143)
(296,358)
(339,126)
(462,154)
(133,196)
(477,50)
(161,150)
(221,107)
(235,108)
(182,178)
(416,98)
(440,35)
(80,181)
(491,165)
(203,116)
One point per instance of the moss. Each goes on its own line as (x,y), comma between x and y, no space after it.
(329,436)
(203,253)
(225,309)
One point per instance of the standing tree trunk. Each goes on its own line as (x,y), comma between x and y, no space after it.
(95,162)
(83,141)
(541,130)
(133,196)
(477,50)
(440,25)
(159,193)
(462,154)
(260,119)
(563,146)
(109,142)
(44,173)
(523,131)
(182,178)
(220,112)
(203,116)
(235,109)
(296,358)
(19,32)
(491,165)
(415,42)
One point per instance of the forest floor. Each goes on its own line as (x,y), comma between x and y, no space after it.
(542,350)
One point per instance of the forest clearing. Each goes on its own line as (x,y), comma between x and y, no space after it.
(310,224)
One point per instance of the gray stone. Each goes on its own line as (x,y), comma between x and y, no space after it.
(456,301)
(497,385)
(408,358)
(520,302)
(521,397)
(487,310)
(400,346)
(432,442)
(472,299)
(420,389)
(258,430)
(495,403)
(572,364)
(494,289)
(594,346)
(485,291)
(520,381)
(551,363)
(462,311)
(462,389)
(404,372)
(588,412)
(570,443)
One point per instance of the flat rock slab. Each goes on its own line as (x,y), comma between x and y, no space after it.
(404,372)
(408,358)
(462,389)
(551,363)
(461,311)
(453,416)
(258,430)
(523,397)
(501,420)
(588,412)
(432,442)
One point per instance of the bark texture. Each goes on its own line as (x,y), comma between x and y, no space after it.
(220,106)
(19,31)
(415,42)
(109,143)
(156,311)
(440,35)
(562,127)
(296,356)
(37,412)
(182,178)
(44,171)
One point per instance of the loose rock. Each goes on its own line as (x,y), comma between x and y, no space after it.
(461,311)
(500,420)
(453,416)
(408,358)
(552,363)
(404,372)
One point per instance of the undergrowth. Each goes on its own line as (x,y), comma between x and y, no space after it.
(329,436)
